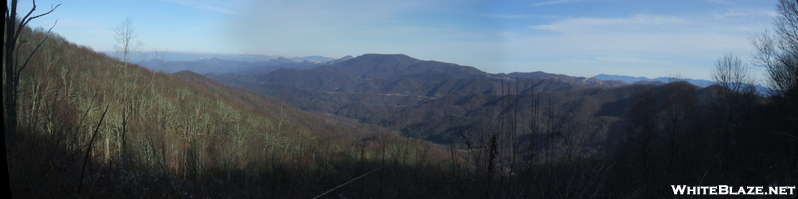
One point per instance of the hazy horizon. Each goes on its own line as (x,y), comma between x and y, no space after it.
(244,57)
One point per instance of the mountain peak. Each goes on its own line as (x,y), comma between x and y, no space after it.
(394,56)
(383,59)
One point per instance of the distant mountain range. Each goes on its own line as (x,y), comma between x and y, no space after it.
(428,99)
(189,56)
(247,64)
(662,80)
(318,59)
(228,63)
(260,64)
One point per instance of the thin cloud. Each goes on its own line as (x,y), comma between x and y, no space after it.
(553,2)
(519,16)
(724,2)
(636,22)
(204,6)
(418,27)
(673,43)
(748,13)
(625,60)
(75,23)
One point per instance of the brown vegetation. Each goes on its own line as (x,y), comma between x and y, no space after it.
(182,135)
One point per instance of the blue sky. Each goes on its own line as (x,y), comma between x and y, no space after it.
(573,37)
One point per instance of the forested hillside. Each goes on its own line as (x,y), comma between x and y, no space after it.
(144,133)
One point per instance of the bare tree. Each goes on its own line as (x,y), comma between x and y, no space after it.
(126,41)
(778,52)
(13,65)
(679,109)
(733,101)
(732,73)
(126,46)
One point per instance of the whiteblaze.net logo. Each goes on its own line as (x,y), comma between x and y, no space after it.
(732,190)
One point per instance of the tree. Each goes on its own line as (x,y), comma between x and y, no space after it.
(679,109)
(737,94)
(732,73)
(126,46)
(778,53)
(126,43)
(13,66)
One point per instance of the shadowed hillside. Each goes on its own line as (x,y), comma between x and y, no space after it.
(529,122)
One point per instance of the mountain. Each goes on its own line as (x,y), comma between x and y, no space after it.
(632,80)
(421,98)
(232,63)
(626,79)
(192,56)
(392,73)
(449,104)
(587,81)
(211,65)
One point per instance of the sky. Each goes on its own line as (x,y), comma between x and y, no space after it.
(572,37)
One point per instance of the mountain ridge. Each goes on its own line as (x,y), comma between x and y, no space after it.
(215,64)
(416,96)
